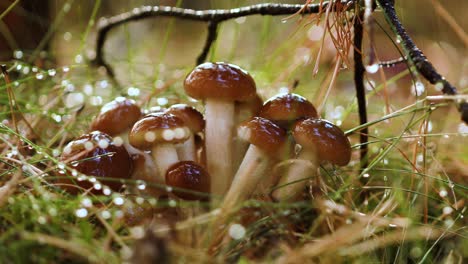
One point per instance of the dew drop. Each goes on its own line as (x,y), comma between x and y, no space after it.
(172,203)
(97,186)
(237,231)
(51,72)
(240,20)
(103,143)
(118,200)
(443,193)
(106,190)
(106,214)
(18,54)
(86,202)
(141,185)
(41,220)
(447,210)
(366,175)
(140,200)
(373,68)
(81,213)
(418,88)
(132,91)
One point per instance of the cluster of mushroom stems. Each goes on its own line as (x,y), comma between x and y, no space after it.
(228,152)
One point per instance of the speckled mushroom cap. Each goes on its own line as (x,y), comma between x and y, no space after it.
(158,128)
(329,140)
(191,117)
(220,80)
(190,176)
(117,116)
(264,134)
(94,154)
(285,109)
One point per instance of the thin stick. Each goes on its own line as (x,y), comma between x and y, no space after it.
(214,17)
(359,72)
(415,55)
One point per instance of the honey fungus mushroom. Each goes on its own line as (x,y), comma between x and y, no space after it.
(159,133)
(220,85)
(116,118)
(321,141)
(267,145)
(95,154)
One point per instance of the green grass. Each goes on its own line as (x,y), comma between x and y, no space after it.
(417,181)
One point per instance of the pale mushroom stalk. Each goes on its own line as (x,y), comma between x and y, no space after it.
(251,171)
(187,149)
(321,141)
(125,142)
(302,169)
(219,116)
(164,155)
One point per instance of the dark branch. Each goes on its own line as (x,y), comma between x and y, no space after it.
(415,55)
(214,17)
(210,38)
(359,71)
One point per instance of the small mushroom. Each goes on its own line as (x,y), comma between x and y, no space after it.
(95,154)
(220,85)
(159,133)
(117,118)
(320,141)
(193,120)
(284,109)
(267,145)
(190,176)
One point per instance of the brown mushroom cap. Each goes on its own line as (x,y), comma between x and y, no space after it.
(329,140)
(190,176)
(158,128)
(220,80)
(117,116)
(191,117)
(264,134)
(94,154)
(285,109)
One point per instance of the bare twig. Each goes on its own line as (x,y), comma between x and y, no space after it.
(415,55)
(214,17)
(359,71)
(8,188)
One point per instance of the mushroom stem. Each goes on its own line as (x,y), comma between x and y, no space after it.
(295,180)
(187,149)
(219,133)
(164,155)
(254,166)
(130,149)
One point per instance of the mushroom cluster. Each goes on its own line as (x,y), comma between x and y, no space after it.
(229,151)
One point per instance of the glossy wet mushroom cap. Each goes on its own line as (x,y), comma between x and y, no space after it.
(157,128)
(117,116)
(220,80)
(329,140)
(285,109)
(190,176)
(264,134)
(94,154)
(192,118)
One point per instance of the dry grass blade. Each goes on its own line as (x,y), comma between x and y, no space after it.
(8,188)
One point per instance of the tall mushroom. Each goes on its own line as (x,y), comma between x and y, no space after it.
(95,154)
(267,145)
(193,120)
(117,118)
(220,85)
(320,141)
(159,133)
